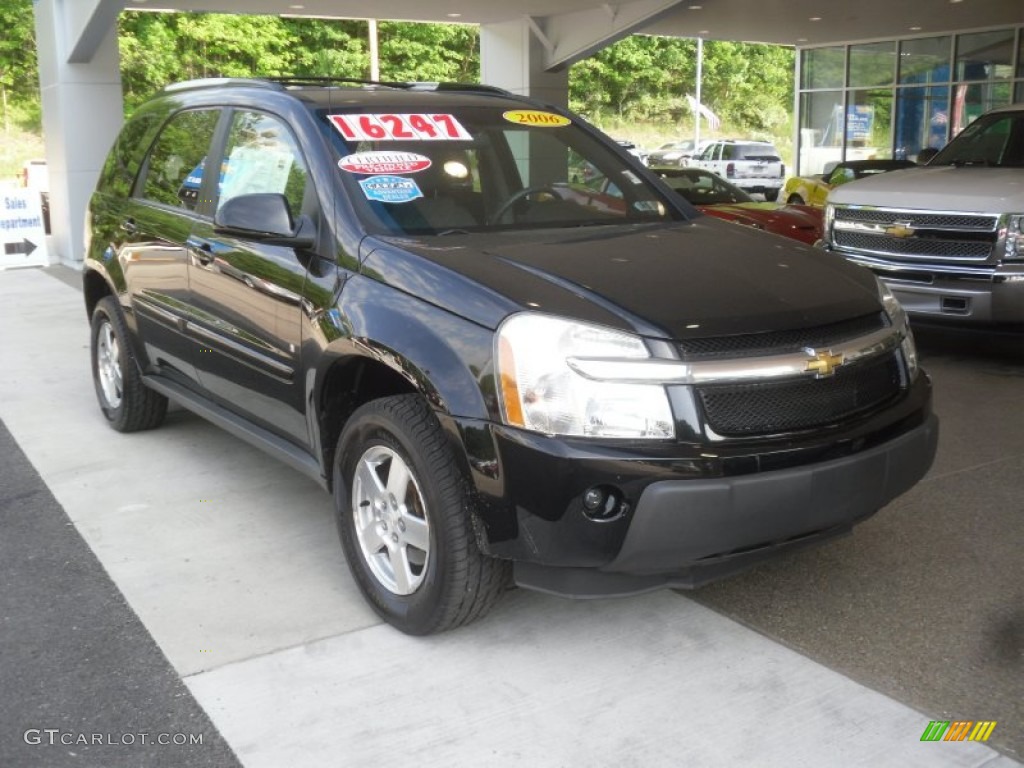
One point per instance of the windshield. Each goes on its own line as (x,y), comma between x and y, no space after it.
(992,140)
(474,169)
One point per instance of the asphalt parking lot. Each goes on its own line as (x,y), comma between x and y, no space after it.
(180,581)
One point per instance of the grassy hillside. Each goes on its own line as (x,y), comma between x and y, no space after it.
(16,147)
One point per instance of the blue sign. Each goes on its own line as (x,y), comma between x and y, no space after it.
(859,119)
(390,189)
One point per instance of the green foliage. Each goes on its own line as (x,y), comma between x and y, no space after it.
(748,85)
(639,79)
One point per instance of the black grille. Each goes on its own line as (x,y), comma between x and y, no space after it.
(915,246)
(780,342)
(769,407)
(920,220)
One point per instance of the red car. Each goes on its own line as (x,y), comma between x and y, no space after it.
(716,197)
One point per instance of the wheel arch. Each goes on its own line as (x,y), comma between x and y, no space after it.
(393,355)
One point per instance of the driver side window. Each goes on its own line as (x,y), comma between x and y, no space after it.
(262,156)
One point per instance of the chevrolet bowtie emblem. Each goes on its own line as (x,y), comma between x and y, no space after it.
(899,229)
(823,364)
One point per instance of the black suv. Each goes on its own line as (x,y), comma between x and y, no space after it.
(411,293)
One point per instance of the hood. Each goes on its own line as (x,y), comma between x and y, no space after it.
(702,278)
(974,189)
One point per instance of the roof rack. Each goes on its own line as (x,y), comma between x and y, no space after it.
(216,82)
(297,81)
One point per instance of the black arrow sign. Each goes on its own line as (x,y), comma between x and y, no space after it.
(26,246)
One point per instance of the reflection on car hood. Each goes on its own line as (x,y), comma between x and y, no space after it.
(769,213)
(702,278)
(942,188)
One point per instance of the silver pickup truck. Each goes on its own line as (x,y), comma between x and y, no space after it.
(947,238)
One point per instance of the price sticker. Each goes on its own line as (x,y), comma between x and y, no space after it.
(394,127)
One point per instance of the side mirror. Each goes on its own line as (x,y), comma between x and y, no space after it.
(266,217)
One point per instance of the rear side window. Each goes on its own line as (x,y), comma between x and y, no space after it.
(174,169)
(126,156)
(262,156)
(762,152)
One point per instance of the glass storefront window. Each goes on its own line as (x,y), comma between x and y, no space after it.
(922,120)
(869,124)
(821,130)
(822,67)
(873,64)
(925,60)
(985,55)
(971,100)
(894,99)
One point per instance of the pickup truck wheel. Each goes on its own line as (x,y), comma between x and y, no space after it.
(771,195)
(127,403)
(403,516)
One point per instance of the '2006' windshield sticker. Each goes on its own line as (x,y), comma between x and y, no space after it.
(535,118)
(384,162)
(390,189)
(390,127)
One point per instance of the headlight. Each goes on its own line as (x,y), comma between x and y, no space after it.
(541,391)
(1015,238)
(898,317)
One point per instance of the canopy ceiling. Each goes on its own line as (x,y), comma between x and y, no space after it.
(789,22)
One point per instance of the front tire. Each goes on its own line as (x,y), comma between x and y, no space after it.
(402,507)
(127,403)
(795,200)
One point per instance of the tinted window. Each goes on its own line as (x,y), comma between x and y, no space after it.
(993,140)
(262,156)
(126,156)
(764,152)
(174,170)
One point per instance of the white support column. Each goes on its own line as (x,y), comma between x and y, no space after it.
(82,108)
(512,57)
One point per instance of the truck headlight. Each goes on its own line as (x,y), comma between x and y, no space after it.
(539,390)
(1014,238)
(898,318)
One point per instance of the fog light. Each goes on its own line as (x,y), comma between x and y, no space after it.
(602,503)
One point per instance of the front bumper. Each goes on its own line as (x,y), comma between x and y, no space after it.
(969,301)
(685,533)
(691,511)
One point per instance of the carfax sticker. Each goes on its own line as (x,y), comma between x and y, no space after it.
(384,162)
(405,127)
(390,189)
(536,118)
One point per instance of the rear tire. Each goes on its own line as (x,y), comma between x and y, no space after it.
(795,200)
(403,515)
(772,195)
(127,403)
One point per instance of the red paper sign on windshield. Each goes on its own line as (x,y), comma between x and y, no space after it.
(391,127)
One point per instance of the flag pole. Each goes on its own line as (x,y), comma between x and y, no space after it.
(696,112)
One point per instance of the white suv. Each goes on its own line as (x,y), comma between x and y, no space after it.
(753,166)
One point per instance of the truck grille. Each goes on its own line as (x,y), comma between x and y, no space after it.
(933,236)
(768,407)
